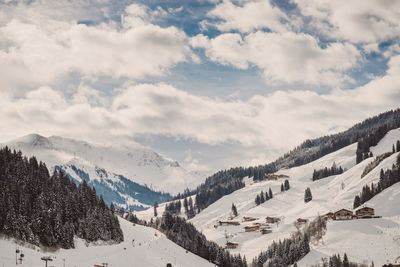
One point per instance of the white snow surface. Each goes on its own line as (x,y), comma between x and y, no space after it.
(135,162)
(363,240)
(149,248)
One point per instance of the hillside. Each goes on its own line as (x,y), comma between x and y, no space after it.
(130,176)
(370,239)
(149,248)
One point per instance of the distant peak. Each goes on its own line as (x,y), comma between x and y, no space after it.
(37,140)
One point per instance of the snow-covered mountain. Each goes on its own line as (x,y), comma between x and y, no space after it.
(142,246)
(376,239)
(129,175)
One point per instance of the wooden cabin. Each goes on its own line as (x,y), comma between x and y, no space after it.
(251,228)
(301,220)
(231,245)
(272,219)
(227,223)
(343,214)
(265,231)
(249,219)
(329,215)
(365,212)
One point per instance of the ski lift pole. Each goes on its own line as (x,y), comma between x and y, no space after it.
(46,259)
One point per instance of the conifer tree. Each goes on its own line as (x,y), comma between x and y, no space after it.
(234,210)
(262,198)
(270,193)
(357,202)
(345,261)
(155,209)
(307,195)
(287,185)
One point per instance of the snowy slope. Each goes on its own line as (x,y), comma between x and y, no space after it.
(329,194)
(150,248)
(137,163)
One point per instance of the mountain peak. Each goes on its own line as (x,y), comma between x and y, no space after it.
(34,140)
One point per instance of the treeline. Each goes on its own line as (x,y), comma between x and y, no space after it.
(184,234)
(386,179)
(227,181)
(336,261)
(49,210)
(326,172)
(261,198)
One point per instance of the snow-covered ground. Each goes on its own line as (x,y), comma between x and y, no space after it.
(368,239)
(149,248)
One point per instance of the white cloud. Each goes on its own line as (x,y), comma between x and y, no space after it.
(283,57)
(42,50)
(274,122)
(357,21)
(249,16)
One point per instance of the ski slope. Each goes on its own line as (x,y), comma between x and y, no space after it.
(149,248)
(369,239)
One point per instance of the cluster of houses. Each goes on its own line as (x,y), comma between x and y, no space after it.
(264,228)
(344,214)
(273,177)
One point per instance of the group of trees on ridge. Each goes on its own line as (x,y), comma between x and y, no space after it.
(326,172)
(374,163)
(261,198)
(49,210)
(387,178)
(366,133)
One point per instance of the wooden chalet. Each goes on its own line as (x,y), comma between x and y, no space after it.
(249,219)
(252,228)
(265,231)
(227,223)
(365,212)
(343,214)
(231,245)
(329,215)
(301,220)
(272,219)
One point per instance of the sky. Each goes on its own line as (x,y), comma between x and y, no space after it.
(212,84)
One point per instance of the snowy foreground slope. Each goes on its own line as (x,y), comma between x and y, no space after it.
(128,176)
(150,248)
(365,239)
